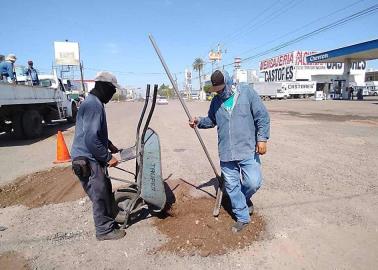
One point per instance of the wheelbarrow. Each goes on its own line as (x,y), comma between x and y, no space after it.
(146,190)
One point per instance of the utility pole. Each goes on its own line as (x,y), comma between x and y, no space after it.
(82,77)
(175,80)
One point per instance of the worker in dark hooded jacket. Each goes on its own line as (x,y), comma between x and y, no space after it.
(92,153)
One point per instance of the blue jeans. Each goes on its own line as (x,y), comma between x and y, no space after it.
(242,179)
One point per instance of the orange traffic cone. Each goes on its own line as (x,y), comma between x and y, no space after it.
(62,154)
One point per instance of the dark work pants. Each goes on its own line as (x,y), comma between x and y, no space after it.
(99,190)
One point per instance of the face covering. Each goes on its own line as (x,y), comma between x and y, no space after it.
(104,91)
(226,93)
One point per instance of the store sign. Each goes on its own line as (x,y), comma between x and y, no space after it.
(67,53)
(360,65)
(300,85)
(293,66)
(279,74)
(215,56)
(300,57)
(188,74)
(278,61)
(319,57)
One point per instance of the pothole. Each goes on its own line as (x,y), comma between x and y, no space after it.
(192,230)
(53,186)
(12,260)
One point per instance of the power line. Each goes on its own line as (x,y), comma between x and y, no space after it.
(246,25)
(240,30)
(304,26)
(130,72)
(332,25)
(273,16)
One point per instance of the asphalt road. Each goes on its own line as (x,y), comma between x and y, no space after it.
(319,197)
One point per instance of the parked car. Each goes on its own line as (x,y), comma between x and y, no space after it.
(195,97)
(162,100)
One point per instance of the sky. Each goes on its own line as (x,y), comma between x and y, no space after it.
(113,35)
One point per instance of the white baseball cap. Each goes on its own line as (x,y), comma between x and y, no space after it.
(11,57)
(105,76)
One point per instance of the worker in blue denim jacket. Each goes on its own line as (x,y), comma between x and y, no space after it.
(7,69)
(243,127)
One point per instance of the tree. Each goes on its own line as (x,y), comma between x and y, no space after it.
(198,66)
(164,90)
(207,88)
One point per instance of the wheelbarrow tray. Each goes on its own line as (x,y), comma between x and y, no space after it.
(152,185)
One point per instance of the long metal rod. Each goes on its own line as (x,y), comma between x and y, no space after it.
(182,103)
(218,200)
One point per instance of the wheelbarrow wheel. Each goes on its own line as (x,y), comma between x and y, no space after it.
(159,213)
(123,199)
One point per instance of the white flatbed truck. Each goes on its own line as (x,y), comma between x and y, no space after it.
(24,108)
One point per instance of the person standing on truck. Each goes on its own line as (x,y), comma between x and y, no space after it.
(92,152)
(243,127)
(32,73)
(7,68)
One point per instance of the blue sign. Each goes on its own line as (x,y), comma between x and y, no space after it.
(345,51)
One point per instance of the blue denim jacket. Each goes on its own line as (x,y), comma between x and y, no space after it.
(6,69)
(239,129)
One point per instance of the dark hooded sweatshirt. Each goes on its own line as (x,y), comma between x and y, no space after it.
(91,132)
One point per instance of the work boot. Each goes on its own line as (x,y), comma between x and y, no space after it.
(238,226)
(113,235)
(250,207)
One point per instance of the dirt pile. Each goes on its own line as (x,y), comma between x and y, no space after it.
(56,185)
(12,260)
(192,229)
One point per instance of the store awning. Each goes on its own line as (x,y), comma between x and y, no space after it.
(362,51)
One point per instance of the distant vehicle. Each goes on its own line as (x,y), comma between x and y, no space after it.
(372,88)
(196,97)
(299,89)
(162,100)
(270,90)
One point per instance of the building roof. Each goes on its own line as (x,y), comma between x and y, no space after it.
(362,51)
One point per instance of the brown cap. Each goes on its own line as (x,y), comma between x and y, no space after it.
(217,81)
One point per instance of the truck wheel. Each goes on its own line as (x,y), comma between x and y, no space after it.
(18,131)
(32,124)
(72,119)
